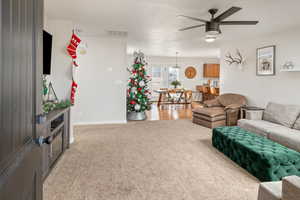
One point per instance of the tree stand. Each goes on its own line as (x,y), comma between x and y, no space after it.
(136,116)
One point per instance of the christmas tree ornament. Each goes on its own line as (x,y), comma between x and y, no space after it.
(133,89)
(142,83)
(137,107)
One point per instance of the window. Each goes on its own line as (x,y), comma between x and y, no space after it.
(161,77)
(173,75)
(156,72)
(157,80)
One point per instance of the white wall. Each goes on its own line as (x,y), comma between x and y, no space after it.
(61,68)
(183,63)
(282,88)
(102,76)
(102,79)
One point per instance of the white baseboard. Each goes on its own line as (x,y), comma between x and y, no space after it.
(100,123)
(71,139)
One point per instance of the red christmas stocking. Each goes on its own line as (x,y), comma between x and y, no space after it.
(72,51)
(73,91)
(75,40)
(72,47)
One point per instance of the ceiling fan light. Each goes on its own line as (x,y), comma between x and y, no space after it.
(213,32)
(210,38)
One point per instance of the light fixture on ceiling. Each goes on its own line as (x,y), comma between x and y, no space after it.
(213,32)
(212,26)
(210,38)
(176,66)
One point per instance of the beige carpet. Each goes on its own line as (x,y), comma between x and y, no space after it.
(152,160)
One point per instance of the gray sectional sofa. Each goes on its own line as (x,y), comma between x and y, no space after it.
(280,123)
(287,189)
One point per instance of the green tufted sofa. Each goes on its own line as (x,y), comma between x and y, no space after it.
(263,158)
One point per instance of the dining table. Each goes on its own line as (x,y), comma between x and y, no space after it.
(174,96)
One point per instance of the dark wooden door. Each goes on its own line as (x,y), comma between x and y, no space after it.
(20,68)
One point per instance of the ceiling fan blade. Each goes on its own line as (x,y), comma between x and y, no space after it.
(239,22)
(227,13)
(191,27)
(193,18)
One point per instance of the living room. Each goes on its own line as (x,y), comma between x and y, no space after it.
(124,108)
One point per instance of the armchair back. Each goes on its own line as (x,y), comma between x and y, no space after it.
(229,99)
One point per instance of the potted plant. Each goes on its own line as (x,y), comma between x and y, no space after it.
(175,83)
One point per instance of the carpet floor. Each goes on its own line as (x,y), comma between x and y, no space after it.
(151,160)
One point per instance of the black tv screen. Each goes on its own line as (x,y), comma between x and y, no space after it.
(47,42)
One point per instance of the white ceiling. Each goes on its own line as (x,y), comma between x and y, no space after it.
(152,25)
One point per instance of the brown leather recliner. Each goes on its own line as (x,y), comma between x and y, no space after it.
(222,111)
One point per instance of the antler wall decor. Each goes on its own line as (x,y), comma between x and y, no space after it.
(235,60)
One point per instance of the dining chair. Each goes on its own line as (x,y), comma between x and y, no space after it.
(205,92)
(188,96)
(213,91)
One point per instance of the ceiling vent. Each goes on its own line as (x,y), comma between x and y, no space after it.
(117,33)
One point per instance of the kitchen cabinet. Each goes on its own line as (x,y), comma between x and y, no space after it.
(211,70)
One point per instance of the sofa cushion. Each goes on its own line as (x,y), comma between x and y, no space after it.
(212,103)
(285,115)
(286,136)
(209,124)
(195,104)
(210,112)
(291,188)
(297,124)
(259,127)
(207,118)
(270,191)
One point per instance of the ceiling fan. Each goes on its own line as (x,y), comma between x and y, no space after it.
(212,26)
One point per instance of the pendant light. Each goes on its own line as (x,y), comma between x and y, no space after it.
(176,66)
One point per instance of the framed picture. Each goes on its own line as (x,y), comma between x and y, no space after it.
(265,61)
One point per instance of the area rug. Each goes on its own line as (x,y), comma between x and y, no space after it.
(151,160)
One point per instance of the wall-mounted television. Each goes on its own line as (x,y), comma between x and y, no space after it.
(47,51)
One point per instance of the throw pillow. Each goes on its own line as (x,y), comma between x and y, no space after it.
(285,115)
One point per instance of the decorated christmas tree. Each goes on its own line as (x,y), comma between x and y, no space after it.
(138,94)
